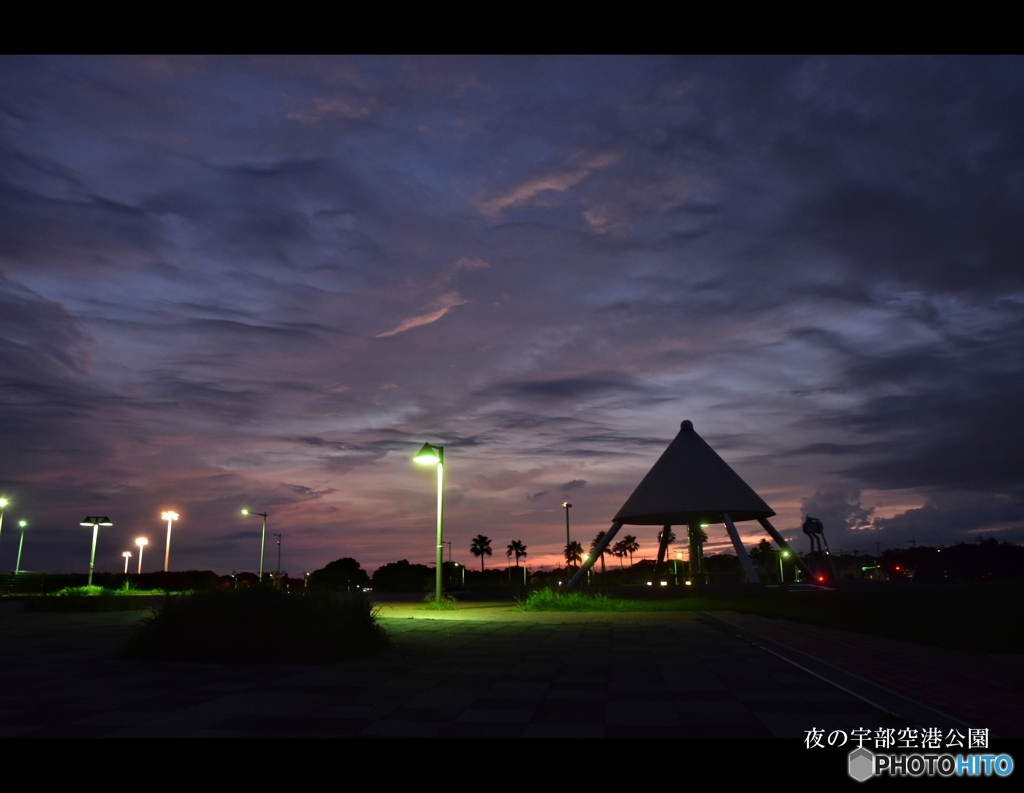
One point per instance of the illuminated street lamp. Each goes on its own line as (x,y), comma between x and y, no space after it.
(781,555)
(434,455)
(127,555)
(566,505)
(263,540)
(170,517)
(95,522)
(3,505)
(278,555)
(142,542)
(22,524)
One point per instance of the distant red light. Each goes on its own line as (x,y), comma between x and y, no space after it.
(821,578)
(897,567)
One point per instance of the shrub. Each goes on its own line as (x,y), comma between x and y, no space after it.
(447,603)
(549,600)
(259,624)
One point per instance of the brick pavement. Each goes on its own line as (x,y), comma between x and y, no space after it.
(474,673)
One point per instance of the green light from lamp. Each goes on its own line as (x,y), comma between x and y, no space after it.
(428,455)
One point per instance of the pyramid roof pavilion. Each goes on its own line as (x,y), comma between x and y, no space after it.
(691,483)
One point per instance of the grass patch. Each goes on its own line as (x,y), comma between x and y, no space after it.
(447,603)
(259,625)
(550,600)
(985,617)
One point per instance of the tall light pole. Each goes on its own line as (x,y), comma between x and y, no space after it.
(142,542)
(434,455)
(263,539)
(170,517)
(95,522)
(22,524)
(127,555)
(278,555)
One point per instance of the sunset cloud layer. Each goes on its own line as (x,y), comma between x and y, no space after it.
(265,282)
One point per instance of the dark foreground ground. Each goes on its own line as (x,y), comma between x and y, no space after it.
(482,671)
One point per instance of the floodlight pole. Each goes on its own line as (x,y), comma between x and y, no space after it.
(263,539)
(278,554)
(434,455)
(21,544)
(263,542)
(95,522)
(440,522)
(169,517)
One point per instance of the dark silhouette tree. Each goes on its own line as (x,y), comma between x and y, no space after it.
(481,546)
(517,549)
(619,550)
(340,575)
(573,554)
(630,546)
(593,546)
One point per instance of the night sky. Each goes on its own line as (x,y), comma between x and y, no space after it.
(264,283)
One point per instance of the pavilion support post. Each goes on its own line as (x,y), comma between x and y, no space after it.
(741,552)
(696,553)
(783,545)
(598,550)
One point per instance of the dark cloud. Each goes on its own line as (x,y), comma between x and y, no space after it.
(574,484)
(202,261)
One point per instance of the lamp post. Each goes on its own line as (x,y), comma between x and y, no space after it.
(22,524)
(142,542)
(278,555)
(95,522)
(170,517)
(434,455)
(782,554)
(127,555)
(3,505)
(263,539)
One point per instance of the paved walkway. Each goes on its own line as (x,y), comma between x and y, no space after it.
(982,690)
(482,671)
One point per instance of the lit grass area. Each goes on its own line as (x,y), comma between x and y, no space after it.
(447,603)
(981,617)
(259,625)
(550,600)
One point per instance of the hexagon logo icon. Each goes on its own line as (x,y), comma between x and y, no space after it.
(861,764)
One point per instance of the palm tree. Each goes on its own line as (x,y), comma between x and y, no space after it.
(593,545)
(630,546)
(619,550)
(573,554)
(516,547)
(481,546)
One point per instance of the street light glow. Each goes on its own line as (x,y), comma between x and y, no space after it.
(170,517)
(22,524)
(141,542)
(428,455)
